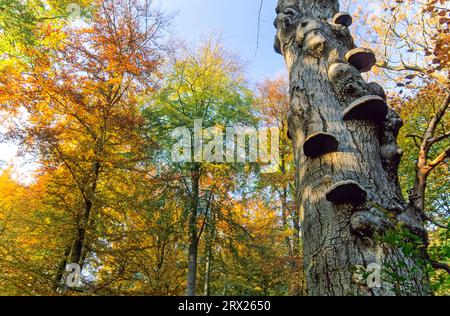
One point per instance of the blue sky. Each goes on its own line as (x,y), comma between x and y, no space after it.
(237,21)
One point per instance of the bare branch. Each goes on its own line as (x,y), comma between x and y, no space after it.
(432,165)
(428,136)
(259,26)
(403,67)
(440,266)
(438,139)
(432,221)
(415,138)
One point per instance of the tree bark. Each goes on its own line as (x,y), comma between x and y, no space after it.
(346,155)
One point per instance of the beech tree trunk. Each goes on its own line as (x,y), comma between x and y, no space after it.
(77,252)
(346,156)
(193,233)
(211,232)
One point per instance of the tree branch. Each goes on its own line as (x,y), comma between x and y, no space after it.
(259,26)
(432,165)
(438,139)
(440,266)
(428,136)
(403,67)
(432,221)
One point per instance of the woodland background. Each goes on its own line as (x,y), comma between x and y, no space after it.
(93,99)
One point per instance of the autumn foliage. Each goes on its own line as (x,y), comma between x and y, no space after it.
(93,101)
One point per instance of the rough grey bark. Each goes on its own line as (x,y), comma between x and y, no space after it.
(346,155)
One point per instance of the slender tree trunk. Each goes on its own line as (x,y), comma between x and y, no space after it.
(206,286)
(423,166)
(299,288)
(61,268)
(211,227)
(79,243)
(346,155)
(77,251)
(193,232)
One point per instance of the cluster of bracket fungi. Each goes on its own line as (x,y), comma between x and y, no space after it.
(360,101)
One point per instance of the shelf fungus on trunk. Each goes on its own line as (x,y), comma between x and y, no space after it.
(367,108)
(346,192)
(320,144)
(362,101)
(343,18)
(362,59)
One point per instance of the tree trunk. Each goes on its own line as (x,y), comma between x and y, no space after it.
(346,156)
(78,251)
(207,283)
(193,233)
(211,228)
(79,243)
(61,268)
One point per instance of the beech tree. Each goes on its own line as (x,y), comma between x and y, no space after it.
(205,84)
(346,156)
(82,99)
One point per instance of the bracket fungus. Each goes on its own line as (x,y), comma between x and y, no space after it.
(362,59)
(361,101)
(343,18)
(320,144)
(368,108)
(346,192)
